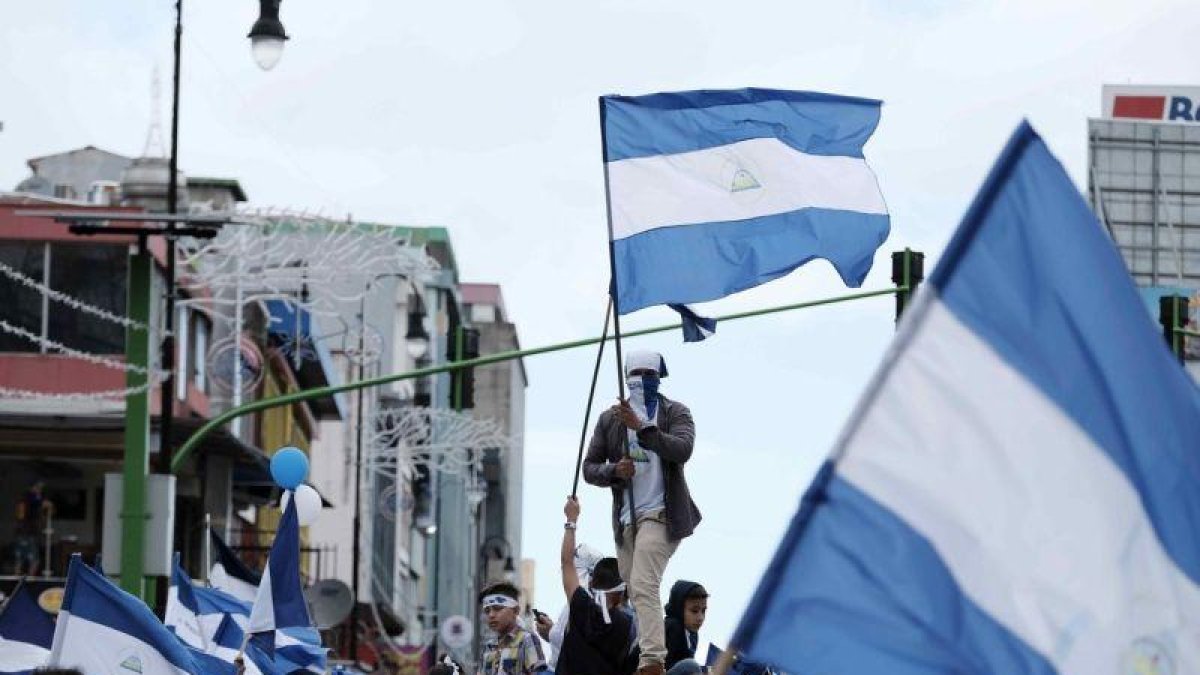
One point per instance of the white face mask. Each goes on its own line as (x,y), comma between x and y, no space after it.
(641,390)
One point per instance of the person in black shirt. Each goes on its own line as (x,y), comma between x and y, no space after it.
(601,637)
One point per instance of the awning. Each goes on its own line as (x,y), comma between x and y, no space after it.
(102,437)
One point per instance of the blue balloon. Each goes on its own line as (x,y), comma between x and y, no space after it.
(289,467)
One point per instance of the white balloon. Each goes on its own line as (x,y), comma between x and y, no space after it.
(308,504)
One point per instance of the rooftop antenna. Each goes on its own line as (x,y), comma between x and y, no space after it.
(154,138)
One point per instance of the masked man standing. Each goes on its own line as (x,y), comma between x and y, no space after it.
(639,447)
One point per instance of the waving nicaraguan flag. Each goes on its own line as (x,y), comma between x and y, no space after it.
(194,612)
(280,602)
(230,574)
(297,650)
(1019,490)
(209,619)
(714,192)
(102,629)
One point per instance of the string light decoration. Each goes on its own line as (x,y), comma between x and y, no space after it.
(363,345)
(60,348)
(46,344)
(439,439)
(25,394)
(402,439)
(318,264)
(70,300)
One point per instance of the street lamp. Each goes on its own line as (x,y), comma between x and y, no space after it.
(496,552)
(416,341)
(267,35)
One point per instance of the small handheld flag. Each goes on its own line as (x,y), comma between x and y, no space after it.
(280,602)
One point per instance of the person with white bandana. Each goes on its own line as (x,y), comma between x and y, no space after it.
(600,638)
(553,631)
(514,651)
(639,447)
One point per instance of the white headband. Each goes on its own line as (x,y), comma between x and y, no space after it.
(499,601)
(599,595)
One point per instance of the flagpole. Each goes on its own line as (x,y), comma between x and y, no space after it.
(616,305)
(207,547)
(587,413)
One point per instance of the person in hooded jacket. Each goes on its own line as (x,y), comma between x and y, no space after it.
(685,615)
(639,450)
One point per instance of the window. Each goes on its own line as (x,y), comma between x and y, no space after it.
(191,350)
(95,275)
(92,274)
(64,191)
(201,328)
(20,305)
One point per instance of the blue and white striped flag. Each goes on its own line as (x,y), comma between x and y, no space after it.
(1019,490)
(103,629)
(194,612)
(219,619)
(714,192)
(280,603)
(296,650)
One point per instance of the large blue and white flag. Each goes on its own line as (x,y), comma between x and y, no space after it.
(1019,489)
(229,573)
(280,602)
(103,629)
(714,192)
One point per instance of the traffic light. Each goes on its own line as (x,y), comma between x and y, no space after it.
(463,347)
(1172,316)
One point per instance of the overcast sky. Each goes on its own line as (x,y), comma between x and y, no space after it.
(482,117)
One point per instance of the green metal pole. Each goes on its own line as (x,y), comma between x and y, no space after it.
(459,335)
(137,422)
(296,397)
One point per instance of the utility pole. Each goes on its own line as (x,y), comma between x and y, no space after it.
(137,419)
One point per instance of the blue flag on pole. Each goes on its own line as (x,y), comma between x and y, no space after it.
(280,602)
(102,629)
(714,192)
(23,620)
(1019,490)
(26,633)
(230,574)
(194,612)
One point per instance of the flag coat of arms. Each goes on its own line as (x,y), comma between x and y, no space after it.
(1019,489)
(714,192)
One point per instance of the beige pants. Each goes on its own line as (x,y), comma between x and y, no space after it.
(642,564)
